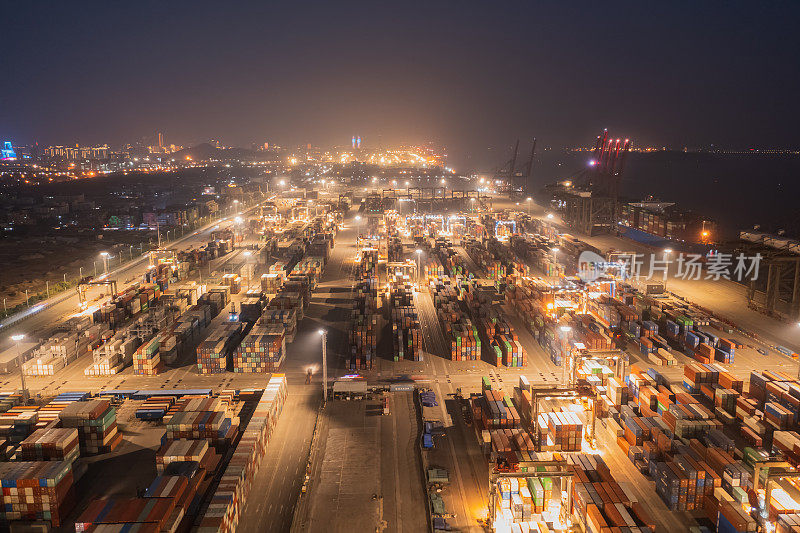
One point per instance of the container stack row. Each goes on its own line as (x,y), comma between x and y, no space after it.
(263,349)
(213,354)
(227,502)
(96,422)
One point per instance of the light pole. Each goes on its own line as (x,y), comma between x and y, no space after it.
(105,261)
(247,267)
(472,205)
(16,339)
(236,222)
(419,265)
(528,199)
(667,252)
(568,372)
(555,259)
(324,335)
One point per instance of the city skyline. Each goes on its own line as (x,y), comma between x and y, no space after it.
(531,71)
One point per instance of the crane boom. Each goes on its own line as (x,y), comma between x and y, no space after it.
(529,167)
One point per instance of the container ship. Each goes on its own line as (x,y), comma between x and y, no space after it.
(650,220)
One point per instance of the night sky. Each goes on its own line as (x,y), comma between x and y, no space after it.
(468,75)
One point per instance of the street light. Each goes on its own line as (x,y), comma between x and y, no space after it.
(667,251)
(105,261)
(247,255)
(17,339)
(419,264)
(324,335)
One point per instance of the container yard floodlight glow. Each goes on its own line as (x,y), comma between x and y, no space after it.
(566,328)
(407,183)
(667,250)
(358,217)
(322,332)
(555,250)
(472,199)
(17,338)
(247,254)
(528,199)
(419,251)
(236,201)
(238,220)
(549,215)
(104,254)
(282,183)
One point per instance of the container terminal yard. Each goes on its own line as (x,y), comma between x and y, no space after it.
(371,360)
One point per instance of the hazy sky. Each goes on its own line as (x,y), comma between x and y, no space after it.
(468,75)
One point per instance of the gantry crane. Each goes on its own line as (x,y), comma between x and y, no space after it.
(84,284)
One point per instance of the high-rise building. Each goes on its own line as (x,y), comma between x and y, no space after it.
(75,153)
(7,152)
(160,140)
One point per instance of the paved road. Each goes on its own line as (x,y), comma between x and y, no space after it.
(277,484)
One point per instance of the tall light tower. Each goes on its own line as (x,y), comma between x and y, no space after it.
(667,252)
(247,263)
(105,262)
(324,335)
(419,265)
(17,339)
(237,221)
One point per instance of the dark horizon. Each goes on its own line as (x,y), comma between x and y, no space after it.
(464,78)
